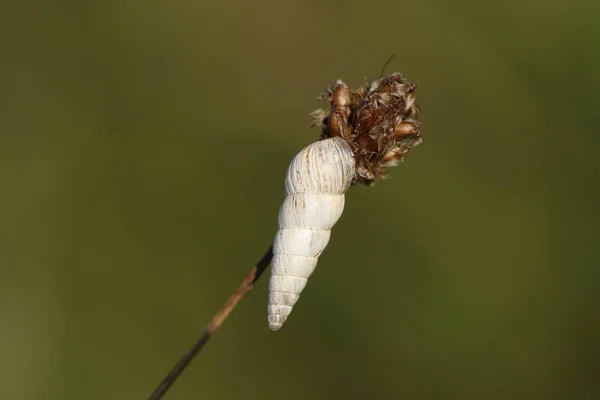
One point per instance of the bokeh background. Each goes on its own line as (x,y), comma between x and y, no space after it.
(143,146)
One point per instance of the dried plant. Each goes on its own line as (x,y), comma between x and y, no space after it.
(380,122)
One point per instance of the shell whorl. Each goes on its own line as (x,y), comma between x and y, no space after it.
(316,181)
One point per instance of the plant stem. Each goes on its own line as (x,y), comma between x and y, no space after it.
(246,286)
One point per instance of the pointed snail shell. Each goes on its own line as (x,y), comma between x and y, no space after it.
(316,181)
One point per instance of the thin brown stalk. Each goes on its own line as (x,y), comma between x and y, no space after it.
(246,286)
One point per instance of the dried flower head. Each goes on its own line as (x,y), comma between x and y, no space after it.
(380,123)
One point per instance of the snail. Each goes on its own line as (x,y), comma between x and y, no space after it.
(365,131)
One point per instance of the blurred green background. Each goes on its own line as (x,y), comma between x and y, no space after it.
(143,146)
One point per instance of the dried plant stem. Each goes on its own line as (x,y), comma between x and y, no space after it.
(246,286)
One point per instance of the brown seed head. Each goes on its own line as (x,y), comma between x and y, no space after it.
(380,122)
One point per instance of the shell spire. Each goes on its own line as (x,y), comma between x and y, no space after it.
(364,132)
(315,185)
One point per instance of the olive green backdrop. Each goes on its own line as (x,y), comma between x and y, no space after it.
(143,146)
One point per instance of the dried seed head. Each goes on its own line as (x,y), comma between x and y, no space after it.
(380,122)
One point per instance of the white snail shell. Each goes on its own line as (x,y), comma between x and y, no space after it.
(316,181)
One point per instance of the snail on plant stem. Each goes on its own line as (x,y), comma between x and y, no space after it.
(365,131)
